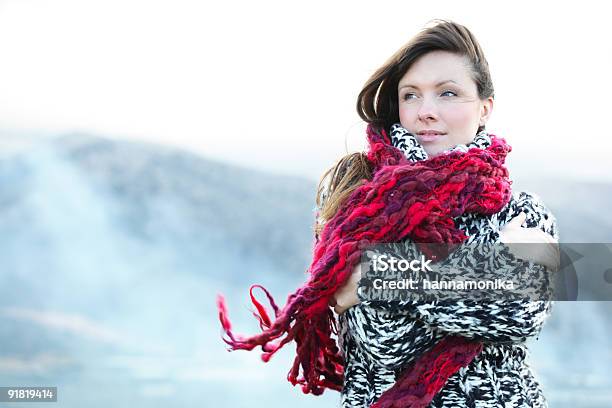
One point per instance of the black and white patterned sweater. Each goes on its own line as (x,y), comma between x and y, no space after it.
(378,339)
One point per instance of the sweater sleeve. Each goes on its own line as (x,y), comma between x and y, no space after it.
(498,320)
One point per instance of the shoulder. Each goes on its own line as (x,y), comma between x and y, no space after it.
(538,214)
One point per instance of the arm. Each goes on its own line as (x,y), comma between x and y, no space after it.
(496,320)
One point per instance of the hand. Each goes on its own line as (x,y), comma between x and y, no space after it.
(517,239)
(346,296)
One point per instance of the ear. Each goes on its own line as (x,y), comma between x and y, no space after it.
(486,108)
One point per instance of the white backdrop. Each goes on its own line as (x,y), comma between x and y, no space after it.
(273,84)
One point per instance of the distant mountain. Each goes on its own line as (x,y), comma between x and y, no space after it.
(162,195)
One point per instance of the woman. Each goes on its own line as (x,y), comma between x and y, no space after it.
(398,351)
(434,96)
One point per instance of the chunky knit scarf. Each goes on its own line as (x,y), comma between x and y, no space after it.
(407,198)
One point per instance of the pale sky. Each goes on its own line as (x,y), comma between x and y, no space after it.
(273,85)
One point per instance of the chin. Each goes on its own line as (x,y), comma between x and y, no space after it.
(436,150)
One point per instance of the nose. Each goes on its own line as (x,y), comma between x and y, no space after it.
(428,110)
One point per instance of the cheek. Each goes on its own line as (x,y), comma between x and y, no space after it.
(459,116)
(460,122)
(407,117)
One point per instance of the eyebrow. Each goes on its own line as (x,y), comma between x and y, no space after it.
(416,87)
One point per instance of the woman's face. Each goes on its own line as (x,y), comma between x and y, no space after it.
(438,94)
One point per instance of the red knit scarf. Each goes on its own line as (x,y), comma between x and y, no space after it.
(404,199)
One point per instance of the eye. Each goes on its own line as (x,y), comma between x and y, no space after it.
(448,92)
(407,95)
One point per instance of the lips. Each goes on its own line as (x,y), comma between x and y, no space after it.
(429,135)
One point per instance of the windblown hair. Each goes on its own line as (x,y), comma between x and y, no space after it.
(377,104)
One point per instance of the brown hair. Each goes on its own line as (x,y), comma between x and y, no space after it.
(377,104)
